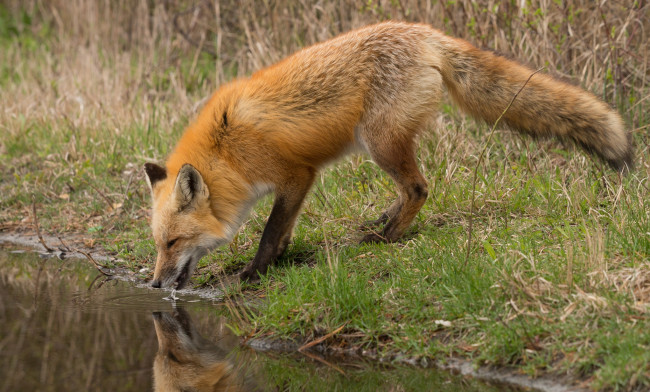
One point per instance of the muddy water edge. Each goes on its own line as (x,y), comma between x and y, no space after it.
(64,327)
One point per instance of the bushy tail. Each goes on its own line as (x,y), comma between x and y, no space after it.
(483,84)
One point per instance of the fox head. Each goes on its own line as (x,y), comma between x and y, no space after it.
(208,186)
(183,223)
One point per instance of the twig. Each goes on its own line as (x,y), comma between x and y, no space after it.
(186,36)
(322,338)
(92,260)
(104,280)
(108,201)
(38,230)
(64,246)
(97,265)
(480,159)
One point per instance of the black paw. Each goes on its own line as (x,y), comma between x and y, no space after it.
(372,238)
(249,275)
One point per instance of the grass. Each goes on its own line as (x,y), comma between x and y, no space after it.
(553,282)
(557,280)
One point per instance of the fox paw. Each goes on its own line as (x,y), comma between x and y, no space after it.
(249,275)
(372,238)
(373,224)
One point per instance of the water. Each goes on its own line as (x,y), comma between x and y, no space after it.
(62,328)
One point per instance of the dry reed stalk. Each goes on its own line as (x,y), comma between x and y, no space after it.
(478,163)
(111,62)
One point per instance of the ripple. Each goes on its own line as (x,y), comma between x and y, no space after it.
(125,297)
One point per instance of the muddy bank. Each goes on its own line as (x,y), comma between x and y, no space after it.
(71,246)
(511,377)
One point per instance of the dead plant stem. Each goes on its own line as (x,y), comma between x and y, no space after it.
(480,159)
(322,338)
(38,230)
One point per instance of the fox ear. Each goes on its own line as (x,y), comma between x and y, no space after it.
(189,187)
(155,173)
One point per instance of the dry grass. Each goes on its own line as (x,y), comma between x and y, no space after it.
(92,89)
(107,57)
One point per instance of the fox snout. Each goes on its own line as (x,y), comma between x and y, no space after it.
(173,274)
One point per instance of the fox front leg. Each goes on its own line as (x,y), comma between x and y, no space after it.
(277,232)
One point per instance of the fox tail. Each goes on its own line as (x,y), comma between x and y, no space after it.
(483,84)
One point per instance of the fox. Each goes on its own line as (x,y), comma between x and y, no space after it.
(186,361)
(372,90)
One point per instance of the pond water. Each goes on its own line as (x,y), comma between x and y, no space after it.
(64,329)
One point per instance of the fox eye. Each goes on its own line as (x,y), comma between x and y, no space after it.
(171,243)
(171,355)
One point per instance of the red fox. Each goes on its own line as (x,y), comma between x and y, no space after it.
(371,90)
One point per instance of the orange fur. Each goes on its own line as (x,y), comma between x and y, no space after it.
(187,362)
(372,89)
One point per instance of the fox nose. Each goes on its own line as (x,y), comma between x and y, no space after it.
(155,284)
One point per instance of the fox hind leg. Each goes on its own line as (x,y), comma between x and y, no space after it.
(397,158)
(404,107)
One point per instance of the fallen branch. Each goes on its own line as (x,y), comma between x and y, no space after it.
(322,338)
(97,265)
(92,260)
(104,280)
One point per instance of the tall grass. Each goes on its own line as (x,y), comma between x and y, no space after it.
(112,59)
(558,262)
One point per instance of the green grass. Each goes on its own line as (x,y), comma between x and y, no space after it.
(544,287)
(556,281)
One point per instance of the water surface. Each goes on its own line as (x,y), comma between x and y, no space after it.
(62,328)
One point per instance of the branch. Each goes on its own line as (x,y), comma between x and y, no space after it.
(322,338)
(97,265)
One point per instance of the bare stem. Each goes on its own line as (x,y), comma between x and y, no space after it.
(480,159)
(38,230)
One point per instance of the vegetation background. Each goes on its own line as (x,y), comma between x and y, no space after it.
(557,277)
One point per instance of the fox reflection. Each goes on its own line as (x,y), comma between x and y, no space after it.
(187,362)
